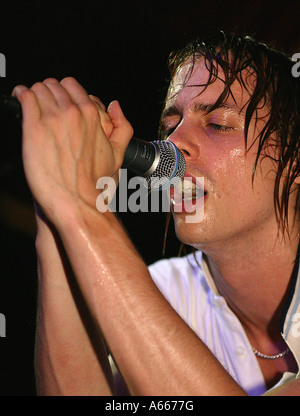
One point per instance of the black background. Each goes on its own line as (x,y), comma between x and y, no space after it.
(117,50)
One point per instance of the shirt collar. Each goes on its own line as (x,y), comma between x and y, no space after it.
(290,319)
(209,279)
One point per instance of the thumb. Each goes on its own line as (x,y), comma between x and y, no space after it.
(123,130)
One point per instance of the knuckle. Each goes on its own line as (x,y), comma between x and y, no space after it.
(72,111)
(89,108)
(67,118)
(51,81)
(26,94)
(68,81)
(37,86)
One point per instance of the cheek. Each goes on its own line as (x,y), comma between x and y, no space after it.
(231,168)
(249,193)
(234,186)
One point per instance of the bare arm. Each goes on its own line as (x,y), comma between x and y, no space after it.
(71,358)
(157,353)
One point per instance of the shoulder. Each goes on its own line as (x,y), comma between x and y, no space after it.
(177,269)
(181,279)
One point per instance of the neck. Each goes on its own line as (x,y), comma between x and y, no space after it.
(254,279)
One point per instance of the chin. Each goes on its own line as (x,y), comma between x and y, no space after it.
(201,235)
(188,233)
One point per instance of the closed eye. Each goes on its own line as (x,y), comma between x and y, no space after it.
(221,128)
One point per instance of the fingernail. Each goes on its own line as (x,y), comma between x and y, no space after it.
(111,105)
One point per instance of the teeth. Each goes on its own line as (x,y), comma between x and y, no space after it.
(189,189)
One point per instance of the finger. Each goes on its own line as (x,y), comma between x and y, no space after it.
(28,100)
(98,102)
(105,120)
(116,114)
(61,95)
(77,93)
(44,96)
(123,130)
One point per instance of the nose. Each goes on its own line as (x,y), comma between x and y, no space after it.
(187,141)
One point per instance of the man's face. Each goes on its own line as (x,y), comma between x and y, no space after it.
(214,147)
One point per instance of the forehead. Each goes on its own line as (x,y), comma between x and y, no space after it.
(191,79)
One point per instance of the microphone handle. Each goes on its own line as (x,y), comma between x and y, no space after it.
(12,105)
(139,156)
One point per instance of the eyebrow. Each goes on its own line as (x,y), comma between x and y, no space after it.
(174,110)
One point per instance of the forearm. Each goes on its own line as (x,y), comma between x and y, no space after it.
(157,353)
(69,346)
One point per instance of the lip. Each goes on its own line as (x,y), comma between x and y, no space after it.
(190,203)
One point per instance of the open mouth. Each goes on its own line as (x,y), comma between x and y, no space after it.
(186,196)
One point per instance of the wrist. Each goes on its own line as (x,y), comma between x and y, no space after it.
(83,227)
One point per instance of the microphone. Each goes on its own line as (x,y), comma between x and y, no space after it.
(159,162)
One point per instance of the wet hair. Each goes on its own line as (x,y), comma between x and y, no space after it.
(275,88)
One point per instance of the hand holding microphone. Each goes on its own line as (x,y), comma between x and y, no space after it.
(161,163)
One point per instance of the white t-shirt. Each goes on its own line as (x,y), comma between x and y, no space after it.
(188,286)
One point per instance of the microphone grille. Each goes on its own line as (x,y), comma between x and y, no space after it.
(170,168)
